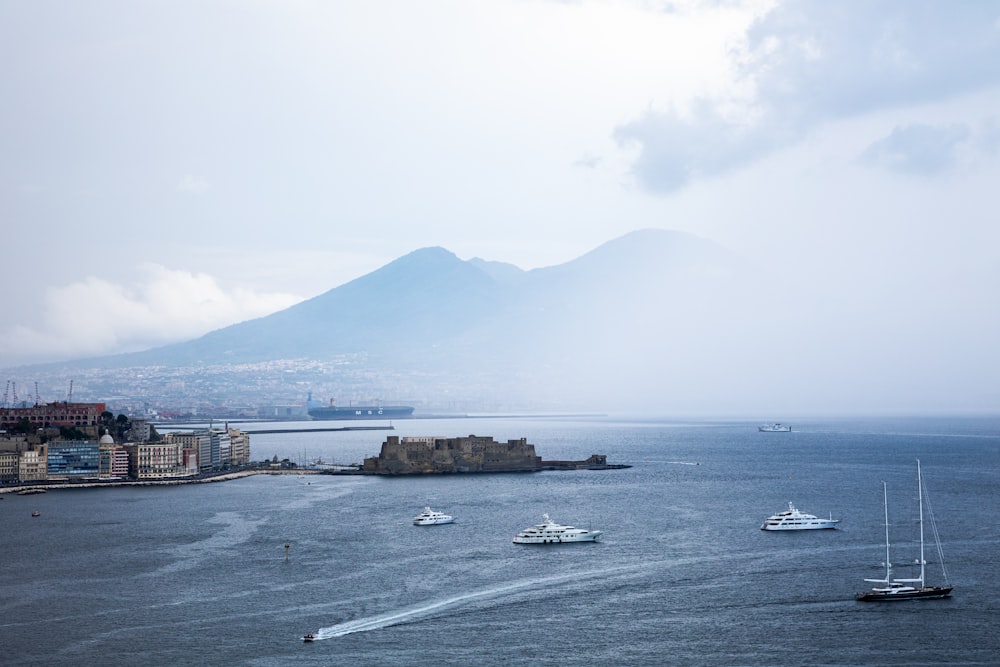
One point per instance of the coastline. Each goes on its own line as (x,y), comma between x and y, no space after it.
(223,477)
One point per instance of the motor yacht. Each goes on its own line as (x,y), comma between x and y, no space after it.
(430,517)
(550,532)
(793,519)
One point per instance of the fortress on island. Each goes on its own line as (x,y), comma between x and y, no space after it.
(428,455)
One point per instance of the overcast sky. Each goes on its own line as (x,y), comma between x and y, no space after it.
(168,168)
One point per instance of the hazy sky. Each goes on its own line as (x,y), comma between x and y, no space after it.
(168,168)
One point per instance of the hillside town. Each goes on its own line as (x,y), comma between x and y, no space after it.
(84,442)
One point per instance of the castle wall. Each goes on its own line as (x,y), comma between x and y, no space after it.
(429,455)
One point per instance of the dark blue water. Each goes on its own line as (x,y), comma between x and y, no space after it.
(198,575)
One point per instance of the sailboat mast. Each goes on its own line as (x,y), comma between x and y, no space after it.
(920,504)
(885,505)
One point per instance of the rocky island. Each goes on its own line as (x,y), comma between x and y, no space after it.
(429,455)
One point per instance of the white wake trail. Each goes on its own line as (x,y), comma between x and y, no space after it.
(426,610)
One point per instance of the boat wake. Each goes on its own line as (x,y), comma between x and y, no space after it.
(433,608)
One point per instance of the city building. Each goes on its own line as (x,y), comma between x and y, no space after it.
(61,413)
(8,466)
(216,449)
(113,459)
(33,464)
(239,453)
(155,461)
(73,459)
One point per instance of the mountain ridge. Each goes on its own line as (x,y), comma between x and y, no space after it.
(429,324)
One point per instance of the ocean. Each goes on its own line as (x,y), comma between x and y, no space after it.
(200,574)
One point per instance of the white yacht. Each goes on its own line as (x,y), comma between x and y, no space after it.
(793,519)
(431,518)
(550,532)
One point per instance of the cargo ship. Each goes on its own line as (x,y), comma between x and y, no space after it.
(333,411)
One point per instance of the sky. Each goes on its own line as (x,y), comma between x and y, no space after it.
(169,168)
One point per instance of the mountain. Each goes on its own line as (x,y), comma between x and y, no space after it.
(431,327)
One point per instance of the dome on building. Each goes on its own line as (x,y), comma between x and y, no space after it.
(106,439)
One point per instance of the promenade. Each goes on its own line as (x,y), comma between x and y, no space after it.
(204,479)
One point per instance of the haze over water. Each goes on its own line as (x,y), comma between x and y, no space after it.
(197,574)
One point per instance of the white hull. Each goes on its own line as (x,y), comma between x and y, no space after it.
(793,519)
(819,525)
(774,428)
(431,518)
(550,532)
(433,522)
(591,536)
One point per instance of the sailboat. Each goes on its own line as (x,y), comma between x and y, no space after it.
(907,589)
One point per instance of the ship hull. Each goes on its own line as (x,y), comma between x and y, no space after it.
(926,593)
(362,412)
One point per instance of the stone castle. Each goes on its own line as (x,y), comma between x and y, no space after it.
(432,454)
(471,454)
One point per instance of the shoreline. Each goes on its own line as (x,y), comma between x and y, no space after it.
(223,477)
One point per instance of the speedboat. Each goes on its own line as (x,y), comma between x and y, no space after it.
(793,519)
(309,638)
(550,532)
(430,517)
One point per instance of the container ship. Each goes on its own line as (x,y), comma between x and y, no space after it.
(361,411)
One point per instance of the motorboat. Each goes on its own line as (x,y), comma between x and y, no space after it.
(793,519)
(430,517)
(36,514)
(309,638)
(774,428)
(550,532)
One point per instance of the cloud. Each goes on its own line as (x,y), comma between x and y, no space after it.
(917,149)
(803,64)
(95,317)
(189,183)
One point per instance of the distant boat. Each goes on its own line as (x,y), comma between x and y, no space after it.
(793,519)
(333,411)
(36,514)
(904,589)
(774,428)
(309,638)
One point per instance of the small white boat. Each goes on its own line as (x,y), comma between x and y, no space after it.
(430,517)
(774,428)
(793,519)
(550,532)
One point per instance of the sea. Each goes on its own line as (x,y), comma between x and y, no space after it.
(236,572)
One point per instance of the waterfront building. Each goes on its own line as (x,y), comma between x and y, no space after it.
(216,449)
(189,459)
(33,464)
(225,444)
(8,466)
(239,453)
(113,459)
(201,442)
(73,459)
(155,460)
